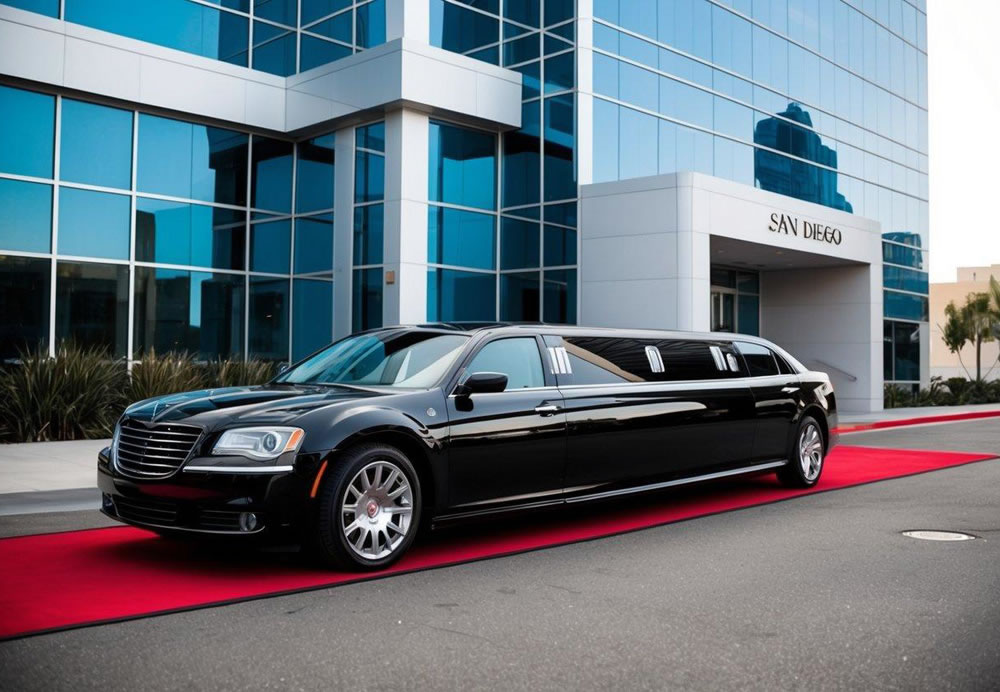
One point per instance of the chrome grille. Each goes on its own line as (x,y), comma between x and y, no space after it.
(155,451)
(146,511)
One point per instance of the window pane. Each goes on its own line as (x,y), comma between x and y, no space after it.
(559,73)
(268,318)
(314,176)
(25,216)
(523,11)
(371,137)
(368,221)
(92,305)
(460,30)
(96,145)
(907,351)
(196,312)
(369,177)
(905,306)
(904,279)
(560,148)
(460,296)
(759,359)
(314,9)
(367,299)
(519,296)
(519,245)
(316,51)
(272,174)
(270,246)
(192,161)
(560,246)
(522,159)
(518,359)
(93,224)
(27,136)
(339,27)
(462,166)
(273,49)
(371,24)
(314,244)
(280,11)
(312,316)
(748,314)
(177,24)
(24,303)
(560,297)
(462,238)
(195,234)
(50,8)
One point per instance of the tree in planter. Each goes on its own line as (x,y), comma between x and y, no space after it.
(974,323)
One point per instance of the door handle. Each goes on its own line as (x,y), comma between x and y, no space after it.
(789,390)
(546,409)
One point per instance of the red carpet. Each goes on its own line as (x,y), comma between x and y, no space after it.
(919,420)
(63,580)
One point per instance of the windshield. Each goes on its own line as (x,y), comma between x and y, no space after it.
(385,359)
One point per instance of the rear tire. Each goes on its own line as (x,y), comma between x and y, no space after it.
(806,456)
(369,509)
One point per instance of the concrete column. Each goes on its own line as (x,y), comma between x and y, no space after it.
(343,230)
(408,19)
(406,155)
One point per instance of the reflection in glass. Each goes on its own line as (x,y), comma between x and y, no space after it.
(178,24)
(50,8)
(777,173)
(93,224)
(314,244)
(196,312)
(314,176)
(192,234)
(314,9)
(368,221)
(95,145)
(461,238)
(559,302)
(369,177)
(270,246)
(459,29)
(519,244)
(272,174)
(192,161)
(519,296)
(455,296)
(560,246)
(24,304)
(367,299)
(269,310)
(92,305)
(316,51)
(370,24)
(560,148)
(462,166)
(27,134)
(522,159)
(273,49)
(312,316)
(25,216)
(905,306)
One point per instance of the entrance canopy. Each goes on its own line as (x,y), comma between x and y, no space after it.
(649,246)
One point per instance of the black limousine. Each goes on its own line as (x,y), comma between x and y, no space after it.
(356,446)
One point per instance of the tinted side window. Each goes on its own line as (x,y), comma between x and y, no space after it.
(783,367)
(516,358)
(603,360)
(759,359)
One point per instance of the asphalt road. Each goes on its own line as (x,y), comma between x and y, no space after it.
(820,592)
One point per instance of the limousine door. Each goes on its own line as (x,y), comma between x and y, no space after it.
(777,395)
(507,447)
(649,409)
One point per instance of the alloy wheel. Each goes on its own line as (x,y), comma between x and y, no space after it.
(377,510)
(811,451)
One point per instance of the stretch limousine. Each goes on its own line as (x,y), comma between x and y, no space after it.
(351,448)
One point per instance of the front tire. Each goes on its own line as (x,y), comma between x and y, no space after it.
(369,509)
(806,457)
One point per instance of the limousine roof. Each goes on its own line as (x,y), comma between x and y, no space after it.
(568,330)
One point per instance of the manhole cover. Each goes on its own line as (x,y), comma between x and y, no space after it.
(939,535)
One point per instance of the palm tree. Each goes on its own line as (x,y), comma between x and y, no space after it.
(975,323)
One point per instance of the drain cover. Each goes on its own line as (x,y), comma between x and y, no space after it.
(939,535)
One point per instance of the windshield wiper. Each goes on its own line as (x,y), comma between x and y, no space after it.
(350,387)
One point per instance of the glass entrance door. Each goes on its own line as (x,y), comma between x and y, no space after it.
(723,310)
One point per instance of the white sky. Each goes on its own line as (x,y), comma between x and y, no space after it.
(963,56)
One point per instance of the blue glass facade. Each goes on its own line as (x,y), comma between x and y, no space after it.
(267,35)
(186,229)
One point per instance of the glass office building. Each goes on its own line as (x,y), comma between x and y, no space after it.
(258,177)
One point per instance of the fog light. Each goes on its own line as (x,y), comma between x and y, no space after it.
(248,521)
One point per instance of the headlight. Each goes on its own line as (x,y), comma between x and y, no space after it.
(262,443)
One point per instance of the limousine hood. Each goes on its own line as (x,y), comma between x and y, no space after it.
(276,404)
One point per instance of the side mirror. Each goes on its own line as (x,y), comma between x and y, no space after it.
(482,383)
(283,368)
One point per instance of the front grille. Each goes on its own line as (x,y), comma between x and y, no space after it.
(146,511)
(155,451)
(219,520)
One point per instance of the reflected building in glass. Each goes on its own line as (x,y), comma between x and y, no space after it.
(280,173)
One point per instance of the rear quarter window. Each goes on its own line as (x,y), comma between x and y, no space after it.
(759,359)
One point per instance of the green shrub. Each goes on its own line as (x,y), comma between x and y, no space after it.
(895,396)
(169,373)
(76,395)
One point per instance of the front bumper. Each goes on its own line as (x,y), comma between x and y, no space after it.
(210,503)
